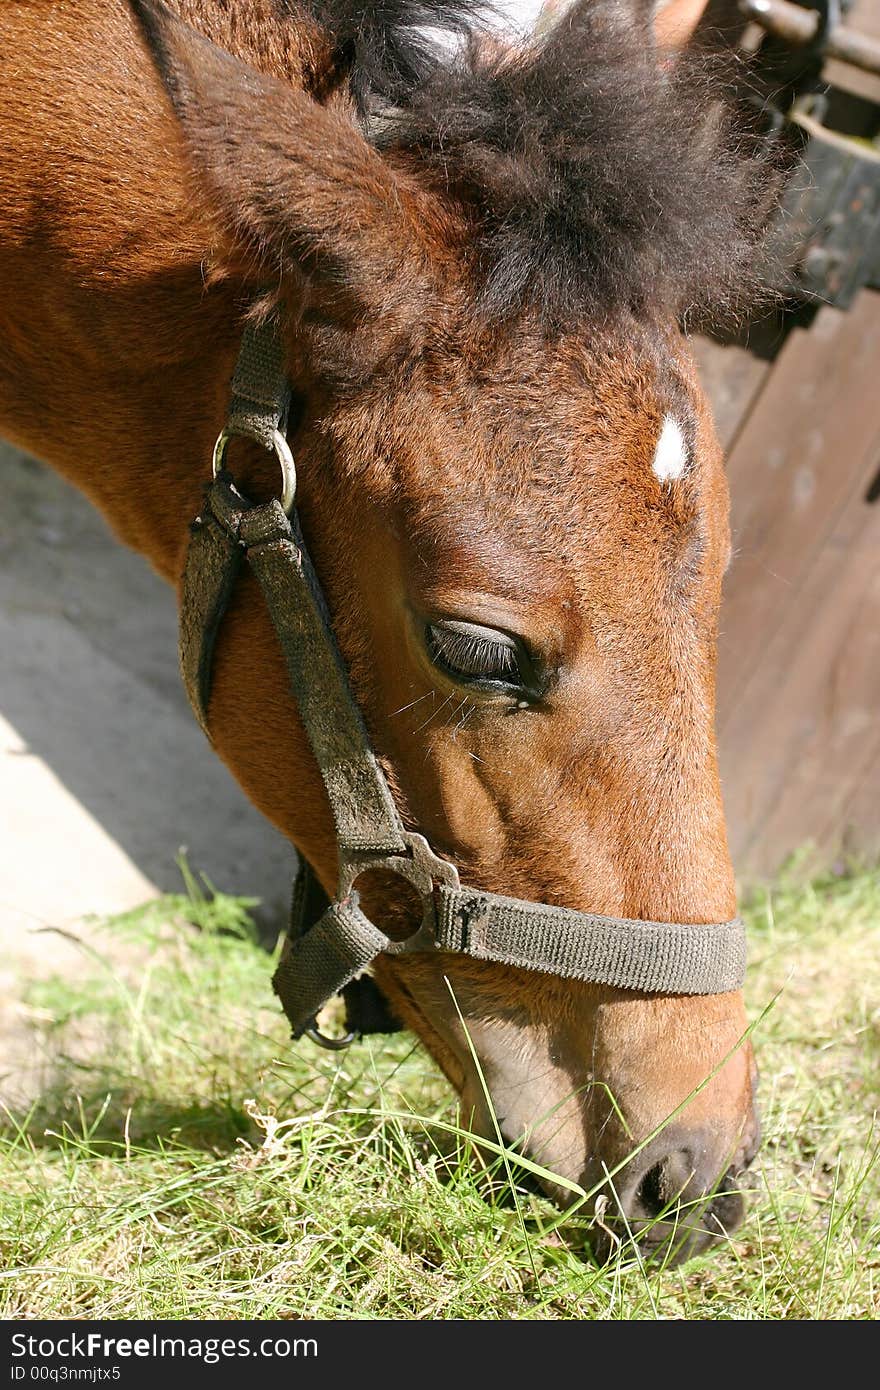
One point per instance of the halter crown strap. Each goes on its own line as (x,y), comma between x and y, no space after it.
(260,401)
(327,950)
(229,528)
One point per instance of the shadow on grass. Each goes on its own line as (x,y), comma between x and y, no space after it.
(102,1107)
(106,1123)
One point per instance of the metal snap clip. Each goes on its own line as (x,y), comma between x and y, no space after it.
(329,1044)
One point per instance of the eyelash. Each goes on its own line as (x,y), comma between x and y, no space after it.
(471,658)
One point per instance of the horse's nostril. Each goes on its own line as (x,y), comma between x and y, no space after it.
(683,1189)
(663,1185)
(649,1193)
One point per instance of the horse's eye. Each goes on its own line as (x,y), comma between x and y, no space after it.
(478,656)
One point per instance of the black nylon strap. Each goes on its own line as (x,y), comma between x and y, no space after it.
(308,903)
(367,1010)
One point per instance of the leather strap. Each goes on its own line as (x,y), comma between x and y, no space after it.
(211,569)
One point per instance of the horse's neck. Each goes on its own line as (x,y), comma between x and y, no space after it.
(134,434)
(114,355)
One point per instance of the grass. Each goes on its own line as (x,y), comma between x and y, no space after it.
(183,1160)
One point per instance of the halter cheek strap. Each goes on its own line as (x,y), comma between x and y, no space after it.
(331,943)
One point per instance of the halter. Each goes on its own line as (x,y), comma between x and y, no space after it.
(330,944)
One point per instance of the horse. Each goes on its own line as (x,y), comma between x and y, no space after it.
(480,257)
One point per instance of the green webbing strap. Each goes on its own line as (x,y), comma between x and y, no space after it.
(315,966)
(653,957)
(656,957)
(366,1008)
(365,815)
(260,390)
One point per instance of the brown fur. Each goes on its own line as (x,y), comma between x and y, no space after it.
(447,466)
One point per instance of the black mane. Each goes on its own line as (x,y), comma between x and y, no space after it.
(595,177)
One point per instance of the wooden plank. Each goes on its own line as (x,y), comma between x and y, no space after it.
(799,461)
(856,831)
(732,378)
(799,676)
(811,723)
(864,17)
(853,810)
(795,750)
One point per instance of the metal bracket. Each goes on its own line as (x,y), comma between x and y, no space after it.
(833,214)
(421,867)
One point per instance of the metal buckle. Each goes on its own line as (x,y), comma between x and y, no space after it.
(282,453)
(421,867)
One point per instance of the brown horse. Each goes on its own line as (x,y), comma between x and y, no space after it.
(508,475)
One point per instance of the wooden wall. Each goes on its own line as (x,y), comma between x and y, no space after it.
(799,659)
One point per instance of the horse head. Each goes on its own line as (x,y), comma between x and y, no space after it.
(510,483)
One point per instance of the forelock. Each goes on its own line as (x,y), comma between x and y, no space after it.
(593,177)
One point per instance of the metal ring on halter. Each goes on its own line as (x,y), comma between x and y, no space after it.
(330,1044)
(282,453)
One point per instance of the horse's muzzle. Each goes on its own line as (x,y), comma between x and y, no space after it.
(676,1198)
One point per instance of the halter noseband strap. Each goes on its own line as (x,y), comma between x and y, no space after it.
(328,949)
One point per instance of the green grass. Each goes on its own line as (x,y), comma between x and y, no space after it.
(184,1160)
